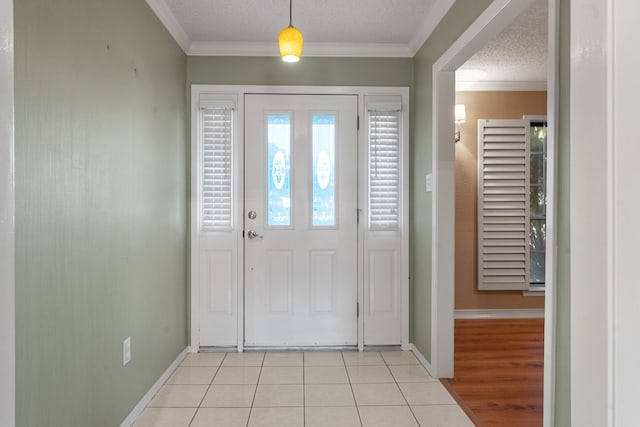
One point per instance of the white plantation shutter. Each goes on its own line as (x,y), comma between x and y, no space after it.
(384,166)
(503,205)
(217,172)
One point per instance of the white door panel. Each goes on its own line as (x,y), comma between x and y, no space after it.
(301,183)
(218,297)
(217,231)
(382,304)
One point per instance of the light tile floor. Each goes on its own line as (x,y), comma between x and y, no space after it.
(310,389)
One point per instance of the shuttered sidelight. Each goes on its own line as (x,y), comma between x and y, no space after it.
(215,230)
(217,172)
(503,205)
(384,166)
(383,245)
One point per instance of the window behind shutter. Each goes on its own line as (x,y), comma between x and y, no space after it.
(384,167)
(217,173)
(503,205)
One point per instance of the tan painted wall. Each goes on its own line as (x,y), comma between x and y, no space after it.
(483,105)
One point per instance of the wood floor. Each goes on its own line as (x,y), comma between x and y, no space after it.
(499,371)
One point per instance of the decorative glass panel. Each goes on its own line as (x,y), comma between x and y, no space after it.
(279,170)
(324,171)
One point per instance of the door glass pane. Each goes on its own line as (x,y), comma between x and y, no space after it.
(279,170)
(323,136)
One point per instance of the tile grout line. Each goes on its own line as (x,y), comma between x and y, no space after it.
(255,392)
(207,391)
(352,392)
(208,388)
(401,392)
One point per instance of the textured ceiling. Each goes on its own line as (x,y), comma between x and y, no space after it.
(355,28)
(327,21)
(517,54)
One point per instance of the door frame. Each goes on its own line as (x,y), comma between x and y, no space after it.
(7,219)
(496,17)
(239,91)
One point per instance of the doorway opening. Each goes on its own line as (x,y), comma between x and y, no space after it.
(496,17)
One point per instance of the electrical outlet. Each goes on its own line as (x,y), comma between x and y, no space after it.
(126,351)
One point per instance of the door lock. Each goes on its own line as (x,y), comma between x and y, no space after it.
(252,235)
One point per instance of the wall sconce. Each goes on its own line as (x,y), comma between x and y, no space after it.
(460,117)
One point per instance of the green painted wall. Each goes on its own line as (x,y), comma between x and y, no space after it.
(563,303)
(100,208)
(259,70)
(458,19)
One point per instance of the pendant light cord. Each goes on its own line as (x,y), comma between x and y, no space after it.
(290,13)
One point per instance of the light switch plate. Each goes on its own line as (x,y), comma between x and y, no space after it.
(429,183)
(126,351)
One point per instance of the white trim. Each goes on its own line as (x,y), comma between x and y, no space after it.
(501,86)
(533,292)
(496,17)
(593,231)
(194,262)
(170,22)
(406,225)
(351,50)
(240,91)
(524,313)
(550,288)
(435,15)
(443,224)
(423,360)
(7,218)
(142,404)
(624,207)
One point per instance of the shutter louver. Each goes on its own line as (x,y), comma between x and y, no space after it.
(503,205)
(384,170)
(217,173)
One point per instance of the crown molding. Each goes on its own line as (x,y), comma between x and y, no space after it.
(435,15)
(358,50)
(199,48)
(508,86)
(310,49)
(169,20)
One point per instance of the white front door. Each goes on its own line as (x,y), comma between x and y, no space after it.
(300,220)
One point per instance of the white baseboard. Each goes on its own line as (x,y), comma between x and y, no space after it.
(423,360)
(135,413)
(525,313)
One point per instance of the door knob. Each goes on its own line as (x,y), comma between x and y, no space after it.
(252,235)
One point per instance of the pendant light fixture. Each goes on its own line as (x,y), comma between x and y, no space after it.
(290,41)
